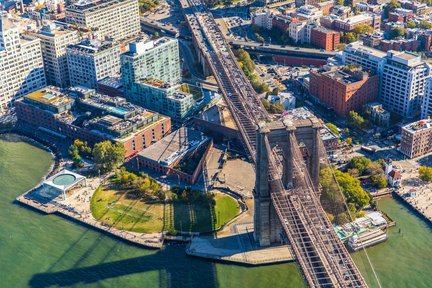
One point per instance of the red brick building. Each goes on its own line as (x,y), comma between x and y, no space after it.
(344,90)
(325,38)
(92,117)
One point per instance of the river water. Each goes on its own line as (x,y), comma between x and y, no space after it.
(39,250)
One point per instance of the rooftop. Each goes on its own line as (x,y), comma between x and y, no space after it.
(358,47)
(50,96)
(174,146)
(302,113)
(92,46)
(90,6)
(141,46)
(356,18)
(418,126)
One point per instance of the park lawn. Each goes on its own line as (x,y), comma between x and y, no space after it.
(124,211)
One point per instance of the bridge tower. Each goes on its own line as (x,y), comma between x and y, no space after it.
(268,229)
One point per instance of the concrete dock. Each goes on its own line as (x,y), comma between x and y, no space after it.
(238,248)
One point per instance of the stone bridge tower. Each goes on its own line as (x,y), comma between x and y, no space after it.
(268,229)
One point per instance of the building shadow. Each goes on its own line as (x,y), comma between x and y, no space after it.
(31,82)
(174,267)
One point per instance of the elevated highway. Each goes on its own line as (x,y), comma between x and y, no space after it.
(282,50)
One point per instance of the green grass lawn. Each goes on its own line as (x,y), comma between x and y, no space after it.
(123,210)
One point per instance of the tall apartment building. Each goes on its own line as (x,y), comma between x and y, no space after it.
(54,40)
(416,138)
(117,19)
(91,61)
(403,82)
(151,77)
(21,65)
(158,59)
(344,90)
(426,109)
(402,76)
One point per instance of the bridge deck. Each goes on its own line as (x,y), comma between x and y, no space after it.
(321,256)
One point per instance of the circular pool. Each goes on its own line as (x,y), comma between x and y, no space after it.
(64,180)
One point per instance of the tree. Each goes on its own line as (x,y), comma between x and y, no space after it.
(340,2)
(363,29)
(107,156)
(374,168)
(425,173)
(379,181)
(156,35)
(360,163)
(74,155)
(340,46)
(259,38)
(349,141)
(390,7)
(275,91)
(411,24)
(351,37)
(356,120)
(397,32)
(333,129)
(352,190)
(425,25)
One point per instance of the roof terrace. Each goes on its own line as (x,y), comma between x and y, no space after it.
(50,98)
(418,126)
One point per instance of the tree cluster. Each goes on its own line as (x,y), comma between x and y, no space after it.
(273,108)
(77,151)
(422,25)
(390,7)
(333,129)
(189,195)
(146,186)
(354,35)
(357,120)
(248,67)
(362,166)
(397,32)
(147,5)
(333,201)
(107,155)
(425,173)
(214,3)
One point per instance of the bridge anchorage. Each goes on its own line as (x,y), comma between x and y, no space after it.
(288,156)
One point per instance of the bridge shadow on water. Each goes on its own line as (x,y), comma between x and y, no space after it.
(175,270)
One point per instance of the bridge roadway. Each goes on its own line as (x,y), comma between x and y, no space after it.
(283,49)
(321,256)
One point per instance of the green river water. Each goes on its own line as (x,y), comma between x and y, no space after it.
(49,251)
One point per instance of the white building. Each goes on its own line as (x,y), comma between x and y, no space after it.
(364,56)
(118,19)
(426,109)
(308,12)
(21,64)
(91,61)
(403,82)
(402,76)
(263,19)
(301,32)
(54,40)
